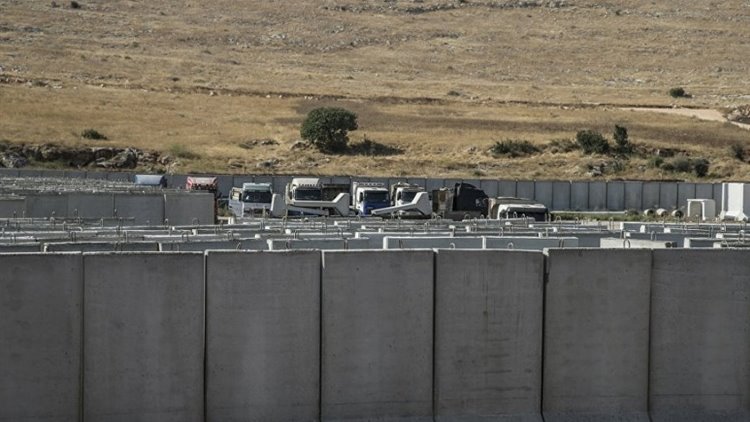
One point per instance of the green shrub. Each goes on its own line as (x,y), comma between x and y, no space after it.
(655,162)
(622,143)
(677,92)
(682,164)
(513,148)
(93,134)
(592,142)
(700,167)
(737,151)
(327,128)
(563,145)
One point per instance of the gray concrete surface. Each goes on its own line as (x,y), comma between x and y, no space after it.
(525,189)
(633,196)
(404,242)
(529,243)
(102,246)
(40,337)
(377,335)
(189,209)
(616,196)
(597,196)
(46,205)
(700,336)
(561,196)
(90,205)
(12,207)
(651,195)
(263,336)
(579,196)
(145,208)
(543,192)
(596,335)
(488,335)
(144,341)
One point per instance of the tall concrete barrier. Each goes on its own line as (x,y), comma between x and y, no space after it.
(579,196)
(144,208)
(90,205)
(488,335)
(188,209)
(651,195)
(668,195)
(615,196)
(596,335)
(525,189)
(46,205)
(700,336)
(377,335)
(143,344)
(12,207)
(40,337)
(597,196)
(543,192)
(561,196)
(507,188)
(263,336)
(634,196)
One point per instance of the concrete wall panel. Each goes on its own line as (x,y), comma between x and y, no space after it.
(434,184)
(700,344)
(90,205)
(596,335)
(40,334)
(377,335)
(177,181)
(597,196)
(561,196)
(421,181)
(615,196)
(668,195)
(46,205)
(488,334)
(543,193)
(685,191)
(144,208)
(226,183)
(634,196)
(704,191)
(525,189)
(188,209)
(507,188)
(263,336)
(12,207)
(490,187)
(144,342)
(651,194)
(579,196)
(280,182)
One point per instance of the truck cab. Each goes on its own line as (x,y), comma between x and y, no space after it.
(461,201)
(203,184)
(368,196)
(310,196)
(250,199)
(511,207)
(153,180)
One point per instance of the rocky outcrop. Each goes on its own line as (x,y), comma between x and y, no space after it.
(20,155)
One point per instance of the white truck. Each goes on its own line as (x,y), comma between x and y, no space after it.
(511,207)
(369,196)
(251,199)
(407,200)
(310,196)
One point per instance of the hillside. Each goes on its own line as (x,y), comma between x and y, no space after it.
(206,82)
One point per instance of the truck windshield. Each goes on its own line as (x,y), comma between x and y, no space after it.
(408,196)
(256,197)
(376,196)
(307,194)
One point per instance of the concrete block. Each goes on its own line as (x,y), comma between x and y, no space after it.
(616,243)
(40,331)
(543,193)
(597,196)
(490,187)
(616,196)
(101,247)
(406,242)
(75,174)
(651,195)
(596,335)
(120,176)
(12,207)
(144,342)
(226,183)
(507,187)
(488,335)
(434,184)
(529,243)
(525,189)
(717,194)
(40,205)
(668,195)
(90,205)
(99,175)
(6,172)
(237,182)
(579,196)
(263,336)
(377,335)
(685,191)
(144,208)
(200,246)
(704,191)
(329,244)
(183,209)
(561,196)
(20,247)
(177,181)
(634,196)
(700,336)
(421,181)
(280,182)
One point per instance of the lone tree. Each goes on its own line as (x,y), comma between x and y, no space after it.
(622,143)
(327,128)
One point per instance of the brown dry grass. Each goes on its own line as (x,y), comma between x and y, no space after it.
(141,73)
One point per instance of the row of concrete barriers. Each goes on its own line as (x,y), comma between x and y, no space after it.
(574,334)
(557,195)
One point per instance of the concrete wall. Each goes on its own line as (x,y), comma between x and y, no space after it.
(700,336)
(263,336)
(183,210)
(596,335)
(144,208)
(488,334)
(144,342)
(12,207)
(377,335)
(40,337)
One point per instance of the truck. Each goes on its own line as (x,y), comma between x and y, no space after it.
(203,184)
(310,196)
(154,180)
(369,196)
(252,199)
(407,200)
(459,202)
(512,207)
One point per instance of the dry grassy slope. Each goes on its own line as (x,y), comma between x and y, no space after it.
(141,72)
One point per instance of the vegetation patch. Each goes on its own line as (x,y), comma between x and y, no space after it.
(592,142)
(513,148)
(93,134)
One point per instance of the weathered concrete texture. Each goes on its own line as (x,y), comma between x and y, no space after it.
(506,188)
(280,182)
(685,191)
(184,209)
(596,335)
(199,246)
(46,205)
(651,193)
(90,205)
(529,243)
(101,247)
(525,189)
(263,336)
(20,247)
(281,244)
(543,193)
(597,196)
(5,172)
(488,335)
(616,196)
(12,207)
(579,196)
(401,242)
(40,337)
(561,196)
(700,342)
(377,339)
(668,195)
(634,196)
(490,187)
(703,191)
(144,208)
(616,243)
(144,342)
